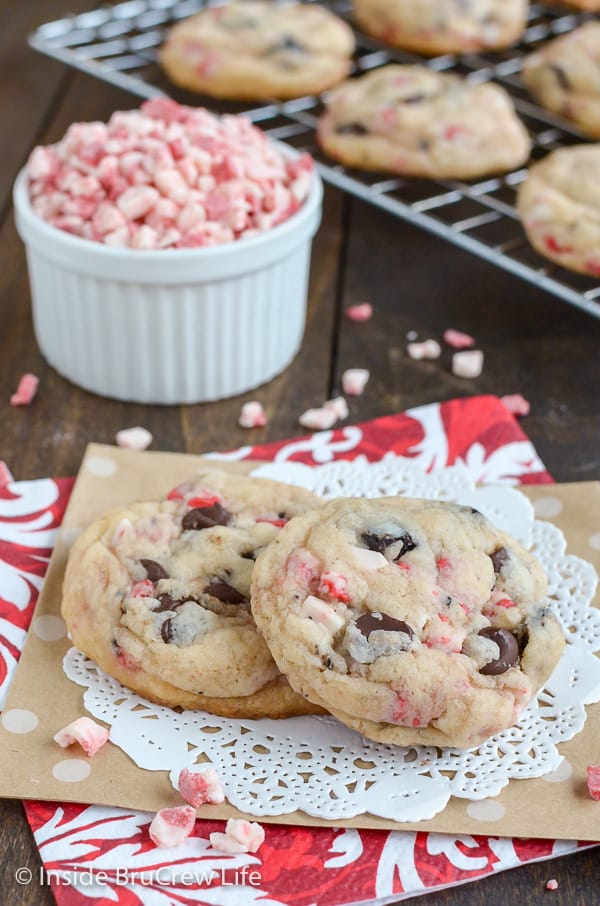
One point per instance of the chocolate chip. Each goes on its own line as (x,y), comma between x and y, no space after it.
(328,663)
(351,129)
(373,622)
(205,517)
(561,76)
(287,43)
(499,557)
(166,630)
(509,651)
(424,145)
(413,99)
(166,603)
(379,543)
(224,592)
(154,571)
(249,555)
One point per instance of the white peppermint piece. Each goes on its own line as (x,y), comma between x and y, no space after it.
(137,438)
(367,559)
(354,381)
(322,612)
(468,363)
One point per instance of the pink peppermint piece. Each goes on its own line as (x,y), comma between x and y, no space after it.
(428,349)
(200,787)
(90,735)
(318,419)
(354,381)
(334,585)
(252,415)
(593,780)
(26,390)
(137,438)
(516,404)
(359,313)
(467,364)
(457,339)
(337,405)
(137,201)
(552,884)
(240,837)
(143,589)
(171,826)
(5,474)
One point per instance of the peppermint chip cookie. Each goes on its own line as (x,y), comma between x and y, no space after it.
(564,77)
(255,50)
(158,595)
(412,621)
(559,204)
(434,27)
(417,122)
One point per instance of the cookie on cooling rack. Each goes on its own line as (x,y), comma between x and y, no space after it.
(564,77)
(416,122)
(255,50)
(433,27)
(559,204)
(157,595)
(412,621)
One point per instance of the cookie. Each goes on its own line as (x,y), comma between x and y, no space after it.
(589,6)
(564,77)
(255,50)
(559,204)
(412,621)
(434,27)
(158,595)
(416,122)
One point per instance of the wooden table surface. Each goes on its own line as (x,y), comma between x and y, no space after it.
(534,344)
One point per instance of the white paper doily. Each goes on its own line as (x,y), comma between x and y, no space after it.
(317,765)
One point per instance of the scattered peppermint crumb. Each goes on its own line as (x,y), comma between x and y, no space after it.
(240,836)
(137,438)
(516,404)
(339,406)
(354,381)
(318,419)
(90,735)
(552,884)
(171,826)
(428,349)
(457,339)
(467,364)
(26,390)
(252,415)
(362,312)
(5,474)
(593,780)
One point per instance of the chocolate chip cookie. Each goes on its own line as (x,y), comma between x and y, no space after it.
(158,595)
(559,204)
(416,122)
(564,77)
(257,50)
(434,27)
(412,621)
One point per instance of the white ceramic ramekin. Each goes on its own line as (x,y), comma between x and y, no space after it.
(174,325)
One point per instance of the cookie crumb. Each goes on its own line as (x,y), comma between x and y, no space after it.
(358,313)
(252,415)
(26,390)
(90,735)
(354,381)
(5,474)
(240,837)
(467,364)
(552,884)
(457,339)
(137,438)
(171,826)
(428,349)
(200,787)
(593,780)
(516,404)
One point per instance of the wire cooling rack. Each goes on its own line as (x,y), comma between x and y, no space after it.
(119,44)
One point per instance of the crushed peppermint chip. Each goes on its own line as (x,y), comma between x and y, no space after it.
(240,837)
(428,349)
(252,415)
(552,884)
(337,405)
(137,438)
(354,381)
(171,826)
(457,339)
(5,474)
(358,313)
(200,787)
(593,780)
(326,416)
(90,735)
(516,404)
(26,390)
(467,364)
(166,176)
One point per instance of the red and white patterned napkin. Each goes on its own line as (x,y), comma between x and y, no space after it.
(104,855)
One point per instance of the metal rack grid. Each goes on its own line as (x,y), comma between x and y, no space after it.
(119,45)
